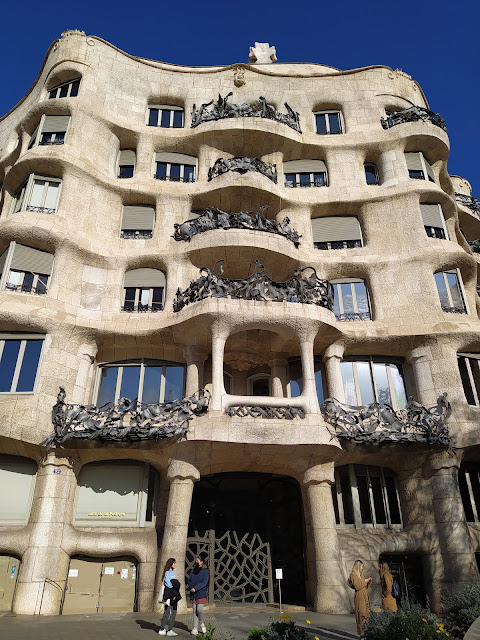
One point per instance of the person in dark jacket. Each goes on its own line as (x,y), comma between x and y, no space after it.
(171,596)
(197,584)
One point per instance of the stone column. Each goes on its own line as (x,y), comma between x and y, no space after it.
(195,358)
(455,544)
(308,374)
(45,557)
(145,166)
(182,475)
(219,339)
(328,579)
(279,375)
(86,357)
(419,359)
(332,358)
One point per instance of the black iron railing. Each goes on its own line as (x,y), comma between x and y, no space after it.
(173,178)
(135,235)
(142,308)
(413,114)
(345,317)
(468,201)
(25,288)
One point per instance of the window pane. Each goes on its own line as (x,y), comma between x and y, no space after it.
(304,179)
(52,94)
(362,299)
(321,124)
(27,281)
(188,173)
(348,516)
(8,363)
(261,387)
(416,174)
(398,386)
(52,192)
(178,119)
(319,179)
(63,91)
(467,386)
(291,178)
(15,277)
(347,297)
(161,169)
(174,384)
(380,515)
(157,299)
(37,193)
(334,120)
(151,385)
(130,380)
(392,498)
(442,290)
(28,371)
(42,283)
(381,383)
(319,382)
(455,290)
(153,117)
(174,172)
(370,174)
(335,503)
(125,171)
(165,120)
(108,383)
(475,482)
(349,383)
(365,383)
(296,380)
(363,497)
(474,366)
(129,302)
(144,296)
(74,90)
(464,492)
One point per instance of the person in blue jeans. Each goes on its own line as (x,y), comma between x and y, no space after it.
(170,598)
(197,584)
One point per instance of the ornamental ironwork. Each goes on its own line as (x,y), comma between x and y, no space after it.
(27,288)
(468,201)
(214,218)
(474,245)
(142,308)
(40,209)
(258,286)
(242,164)
(287,413)
(413,114)
(381,424)
(125,421)
(221,110)
(355,315)
(128,234)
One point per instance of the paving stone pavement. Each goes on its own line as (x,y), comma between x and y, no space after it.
(144,626)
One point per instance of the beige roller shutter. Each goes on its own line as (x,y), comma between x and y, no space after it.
(3,257)
(429,169)
(54,124)
(127,156)
(304,166)
(414,161)
(165,106)
(175,158)
(144,278)
(138,218)
(33,260)
(432,215)
(338,228)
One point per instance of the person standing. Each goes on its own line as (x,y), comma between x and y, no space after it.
(170,598)
(197,583)
(361,584)
(388,601)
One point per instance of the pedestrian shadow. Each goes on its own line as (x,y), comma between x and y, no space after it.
(145,624)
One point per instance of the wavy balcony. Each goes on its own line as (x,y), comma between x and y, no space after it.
(413,114)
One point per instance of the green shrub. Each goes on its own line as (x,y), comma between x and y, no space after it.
(285,629)
(258,633)
(461,607)
(412,624)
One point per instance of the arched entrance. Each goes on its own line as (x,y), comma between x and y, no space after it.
(249,524)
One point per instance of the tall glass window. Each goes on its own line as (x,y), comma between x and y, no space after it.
(351,299)
(19,358)
(373,380)
(469,367)
(450,291)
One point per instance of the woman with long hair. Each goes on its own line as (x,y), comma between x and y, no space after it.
(170,598)
(361,599)
(197,583)
(388,601)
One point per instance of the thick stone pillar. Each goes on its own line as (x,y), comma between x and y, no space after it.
(195,358)
(45,558)
(279,375)
(219,339)
(332,358)
(420,359)
(86,357)
(308,374)
(181,475)
(328,579)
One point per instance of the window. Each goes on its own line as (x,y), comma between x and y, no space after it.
(51,130)
(175,167)
(165,116)
(418,166)
(305,173)
(369,380)
(350,299)
(328,122)
(228,382)
(18,474)
(371,173)
(137,222)
(148,381)
(66,90)
(143,290)
(469,485)
(126,163)
(295,384)
(468,365)
(433,221)
(25,269)
(336,232)
(39,193)
(259,385)
(366,496)
(449,287)
(19,358)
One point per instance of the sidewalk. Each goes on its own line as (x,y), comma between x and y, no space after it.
(144,626)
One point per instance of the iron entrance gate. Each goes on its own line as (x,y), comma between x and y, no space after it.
(240,566)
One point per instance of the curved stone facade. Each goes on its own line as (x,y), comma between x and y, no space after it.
(261,333)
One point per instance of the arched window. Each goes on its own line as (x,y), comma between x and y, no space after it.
(328,122)
(469,484)
(259,385)
(366,496)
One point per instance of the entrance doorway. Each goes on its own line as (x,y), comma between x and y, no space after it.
(406,570)
(100,585)
(9,569)
(248,525)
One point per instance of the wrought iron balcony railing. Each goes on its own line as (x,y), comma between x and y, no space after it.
(135,235)
(125,421)
(413,114)
(474,245)
(142,308)
(469,201)
(258,286)
(45,143)
(213,218)
(25,288)
(242,164)
(188,179)
(310,183)
(453,309)
(40,209)
(361,315)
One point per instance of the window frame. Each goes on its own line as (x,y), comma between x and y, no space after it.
(371,360)
(456,271)
(37,277)
(7,270)
(311,183)
(468,366)
(375,172)
(339,281)
(167,177)
(424,162)
(23,337)
(161,108)
(327,112)
(444,223)
(138,295)
(35,139)
(24,194)
(69,90)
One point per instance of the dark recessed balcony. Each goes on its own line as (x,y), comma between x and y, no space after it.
(413,114)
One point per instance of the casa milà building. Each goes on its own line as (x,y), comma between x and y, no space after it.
(254,284)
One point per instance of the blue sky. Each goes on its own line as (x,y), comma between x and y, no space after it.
(437,43)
